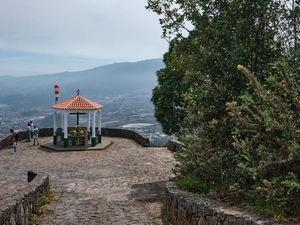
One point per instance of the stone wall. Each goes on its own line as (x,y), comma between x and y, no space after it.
(110,132)
(20,207)
(129,134)
(173,145)
(185,208)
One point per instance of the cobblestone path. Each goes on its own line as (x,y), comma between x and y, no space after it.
(121,185)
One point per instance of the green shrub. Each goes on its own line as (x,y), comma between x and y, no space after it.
(258,165)
(39,209)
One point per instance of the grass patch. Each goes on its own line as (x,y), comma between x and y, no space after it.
(194,184)
(39,210)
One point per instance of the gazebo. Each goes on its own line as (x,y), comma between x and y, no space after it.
(77,105)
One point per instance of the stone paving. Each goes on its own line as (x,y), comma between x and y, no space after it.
(120,185)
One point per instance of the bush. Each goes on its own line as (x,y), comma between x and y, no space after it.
(260,169)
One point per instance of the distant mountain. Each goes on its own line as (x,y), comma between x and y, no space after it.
(113,79)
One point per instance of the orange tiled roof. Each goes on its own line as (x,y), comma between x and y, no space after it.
(77,103)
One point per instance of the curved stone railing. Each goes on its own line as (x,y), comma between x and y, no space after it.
(110,132)
(129,134)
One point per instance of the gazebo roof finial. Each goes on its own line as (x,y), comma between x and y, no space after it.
(78,91)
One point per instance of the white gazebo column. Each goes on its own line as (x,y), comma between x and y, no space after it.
(94,129)
(54,129)
(66,141)
(62,127)
(88,126)
(99,126)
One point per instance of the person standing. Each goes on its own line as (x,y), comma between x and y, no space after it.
(28,130)
(35,135)
(31,128)
(13,138)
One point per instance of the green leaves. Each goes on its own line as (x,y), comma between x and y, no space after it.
(274,148)
(239,128)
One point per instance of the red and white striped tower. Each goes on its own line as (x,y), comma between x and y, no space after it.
(56,91)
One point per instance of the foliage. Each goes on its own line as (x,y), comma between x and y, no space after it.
(223,35)
(166,96)
(267,142)
(39,209)
(78,131)
(239,133)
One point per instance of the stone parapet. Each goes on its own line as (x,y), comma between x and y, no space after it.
(16,210)
(188,208)
(173,145)
(129,134)
(110,132)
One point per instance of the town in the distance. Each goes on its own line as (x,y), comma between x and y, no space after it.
(130,108)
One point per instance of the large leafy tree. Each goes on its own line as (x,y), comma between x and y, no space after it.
(211,38)
(167,95)
(222,34)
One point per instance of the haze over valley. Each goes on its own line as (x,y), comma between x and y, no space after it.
(124,89)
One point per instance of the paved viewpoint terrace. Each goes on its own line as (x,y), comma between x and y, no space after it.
(120,185)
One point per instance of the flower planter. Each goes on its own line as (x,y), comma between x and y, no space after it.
(78,140)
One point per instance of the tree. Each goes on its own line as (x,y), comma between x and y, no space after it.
(224,34)
(167,95)
(214,37)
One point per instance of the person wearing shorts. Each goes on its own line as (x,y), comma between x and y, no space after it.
(36,136)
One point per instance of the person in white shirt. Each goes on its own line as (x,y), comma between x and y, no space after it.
(35,135)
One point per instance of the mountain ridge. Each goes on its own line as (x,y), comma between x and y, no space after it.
(112,79)
(86,70)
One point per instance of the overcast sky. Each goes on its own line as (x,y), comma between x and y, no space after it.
(49,36)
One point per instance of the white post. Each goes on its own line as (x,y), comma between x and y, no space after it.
(99,121)
(54,123)
(66,141)
(54,129)
(93,129)
(62,122)
(99,127)
(88,127)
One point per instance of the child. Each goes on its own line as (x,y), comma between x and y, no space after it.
(35,136)
(14,137)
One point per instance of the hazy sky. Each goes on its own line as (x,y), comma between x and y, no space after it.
(48,36)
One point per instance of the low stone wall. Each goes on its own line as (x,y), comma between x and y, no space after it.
(21,206)
(110,132)
(189,209)
(173,145)
(129,134)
